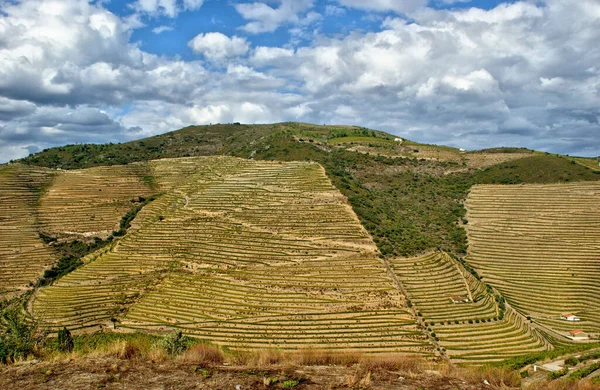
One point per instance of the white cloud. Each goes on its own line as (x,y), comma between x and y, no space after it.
(520,74)
(332,10)
(169,8)
(216,46)
(264,56)
(264,18)
(400,6)
(162,29)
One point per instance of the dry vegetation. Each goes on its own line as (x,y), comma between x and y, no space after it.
(139,363)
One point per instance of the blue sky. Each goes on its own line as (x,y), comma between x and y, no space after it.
(221,16)
(470,74)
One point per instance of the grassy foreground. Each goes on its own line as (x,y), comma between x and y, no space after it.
(140,361)
(112,360)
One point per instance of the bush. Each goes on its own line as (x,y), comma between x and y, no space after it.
(18,338)
(557,374)
(585,371)
(174,343)
(572,361)
(290,384)
(65,340)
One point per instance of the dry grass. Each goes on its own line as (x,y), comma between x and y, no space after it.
(399,363)
(203,354)
(562,384)
(497,377)
(394,362)
(126,349)
(316,357)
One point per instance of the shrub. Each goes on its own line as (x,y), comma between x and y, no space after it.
(585,371)
(18,338)
(290,384)
(572,361)
(174,343)
(65,340)
(557,374)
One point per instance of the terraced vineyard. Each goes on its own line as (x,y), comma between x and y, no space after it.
(539,245)
(478,330)
(91,201)
(64,204)
(23,256)
(244,254)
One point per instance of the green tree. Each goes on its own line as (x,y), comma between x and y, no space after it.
(65,340)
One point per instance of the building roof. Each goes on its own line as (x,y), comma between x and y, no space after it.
(577,331)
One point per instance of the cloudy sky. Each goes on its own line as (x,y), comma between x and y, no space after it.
(467,73)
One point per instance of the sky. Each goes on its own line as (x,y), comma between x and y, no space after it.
(465,73)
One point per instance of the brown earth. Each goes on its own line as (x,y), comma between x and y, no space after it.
(113,373)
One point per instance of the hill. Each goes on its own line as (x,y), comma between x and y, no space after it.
(407,195)
(244,254)
(249,241)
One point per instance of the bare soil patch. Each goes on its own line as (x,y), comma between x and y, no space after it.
(112,373)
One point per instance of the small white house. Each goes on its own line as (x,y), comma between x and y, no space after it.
(398,140)
(569,317)
(462,150)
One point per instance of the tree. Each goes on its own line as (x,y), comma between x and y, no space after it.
(65,340)
(18,337)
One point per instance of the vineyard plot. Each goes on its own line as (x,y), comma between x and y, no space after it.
(23,255)
(461,313)
(539,245)
(243,254)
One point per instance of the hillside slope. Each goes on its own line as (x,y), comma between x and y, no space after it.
(538,245)
(243,254)
(261,250)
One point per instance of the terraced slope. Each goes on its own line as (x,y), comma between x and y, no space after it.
(475,331)
(91,202)
(63,204)
(23,255)
(244,254)
(539,245)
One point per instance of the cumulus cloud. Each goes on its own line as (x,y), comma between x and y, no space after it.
(264,56)
(216,46)
(522,74)
(332,10)
(264,18)
(400,6)
(169,8)
(161,29)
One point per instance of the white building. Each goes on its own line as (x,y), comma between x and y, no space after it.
(569,317)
